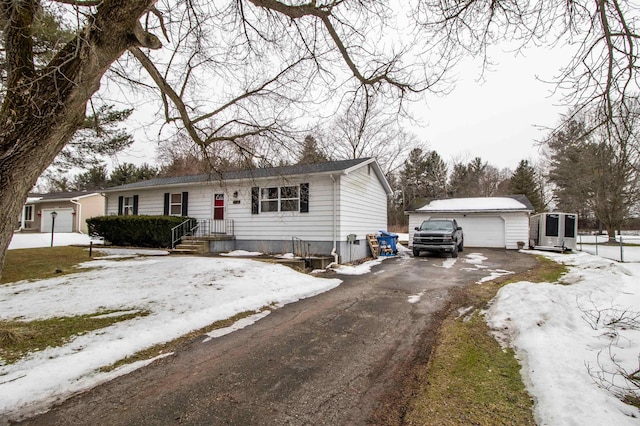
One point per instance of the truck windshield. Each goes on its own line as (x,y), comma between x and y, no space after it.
(437,225)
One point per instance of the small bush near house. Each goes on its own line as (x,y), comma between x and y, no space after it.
(139,231)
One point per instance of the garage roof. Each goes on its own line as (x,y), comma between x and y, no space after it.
(510,203)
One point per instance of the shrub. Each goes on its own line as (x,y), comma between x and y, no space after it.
(139,231)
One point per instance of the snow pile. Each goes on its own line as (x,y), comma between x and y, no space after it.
(182,294)
(562,336)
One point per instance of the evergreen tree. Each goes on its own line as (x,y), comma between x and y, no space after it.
(310,153)
(525,181)
(93,179)
(129,173)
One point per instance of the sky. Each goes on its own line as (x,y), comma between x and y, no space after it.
(498,118)
(549,325)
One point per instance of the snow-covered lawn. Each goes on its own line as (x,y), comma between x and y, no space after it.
(547,324)
(566,344)
(182,293)
(32,240)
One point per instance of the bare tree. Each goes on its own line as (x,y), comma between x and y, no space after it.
(365,128)
(599,170)
(229,71)
(603,35)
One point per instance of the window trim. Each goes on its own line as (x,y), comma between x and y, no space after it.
(280,196)
(128,205)
(28,217)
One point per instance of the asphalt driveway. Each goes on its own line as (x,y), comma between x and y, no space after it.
(343,357)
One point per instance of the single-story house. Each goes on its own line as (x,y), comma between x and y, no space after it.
(328,208)
(499,222)
(72,209)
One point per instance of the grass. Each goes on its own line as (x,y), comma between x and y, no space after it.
(41,263)
(19,338)
(470,379)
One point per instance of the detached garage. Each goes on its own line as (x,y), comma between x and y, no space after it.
(499,222)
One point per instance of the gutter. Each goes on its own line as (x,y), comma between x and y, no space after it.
(78,214)
(335,219)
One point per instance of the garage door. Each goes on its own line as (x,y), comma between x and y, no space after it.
(483,231)
(64,220)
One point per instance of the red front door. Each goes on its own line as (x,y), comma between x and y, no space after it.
(218,207)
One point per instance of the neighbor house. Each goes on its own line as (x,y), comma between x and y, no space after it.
(328,208)
(500,222)
(72,209)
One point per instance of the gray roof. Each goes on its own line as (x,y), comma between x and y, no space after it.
(298,169)
(57,196)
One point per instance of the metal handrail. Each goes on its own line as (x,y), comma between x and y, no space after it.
(302,251)
(188,227)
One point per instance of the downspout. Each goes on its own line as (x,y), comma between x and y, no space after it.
(78,215)
(335,220)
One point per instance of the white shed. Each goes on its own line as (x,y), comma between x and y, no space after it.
(499,222)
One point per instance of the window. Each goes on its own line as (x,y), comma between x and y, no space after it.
(127,206)
(175,206)
(289,199)
(552,225)
(269,200)
(280,199)
(28,213)
(570,226)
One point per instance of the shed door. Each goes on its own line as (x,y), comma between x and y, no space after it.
(64,220)
(483,231)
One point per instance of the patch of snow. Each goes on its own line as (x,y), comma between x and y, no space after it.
(493,274)
(415,298)
(361,269)
(241,253)
(182,294)
(475,258)
(562,348)
(33,240)
(447,263)
(238,325)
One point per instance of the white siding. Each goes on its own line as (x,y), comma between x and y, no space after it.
(316,225)
(361,207)
(362,204)
(516,229)
(151,201)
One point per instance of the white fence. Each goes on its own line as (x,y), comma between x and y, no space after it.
(627,248)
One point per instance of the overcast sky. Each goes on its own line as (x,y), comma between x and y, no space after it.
(497,119)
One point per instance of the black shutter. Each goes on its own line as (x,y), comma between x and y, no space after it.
(255,200)
(166,203)
(135,204)
(185,204)
(120,204)
(304,198)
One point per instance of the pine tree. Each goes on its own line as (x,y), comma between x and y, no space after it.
(525,181)
(310,153)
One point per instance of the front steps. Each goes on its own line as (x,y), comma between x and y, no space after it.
(191,245)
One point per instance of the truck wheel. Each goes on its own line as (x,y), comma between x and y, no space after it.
(454,253)
(461,246)
(416,253)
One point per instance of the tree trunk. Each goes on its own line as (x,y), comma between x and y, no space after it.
(43,109)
